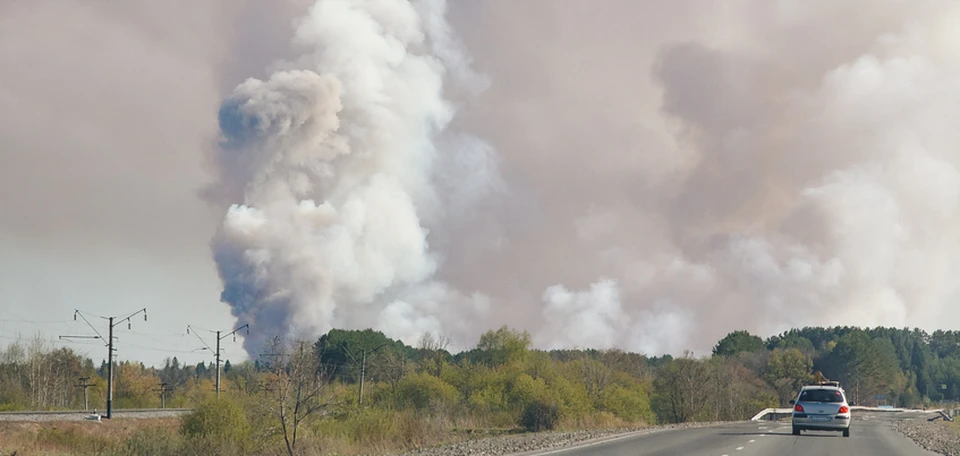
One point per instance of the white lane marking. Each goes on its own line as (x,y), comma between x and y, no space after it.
(739,448)
(751,441)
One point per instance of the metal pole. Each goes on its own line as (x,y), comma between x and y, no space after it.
(363,365)
(218,364)
(83,384)
(110,371)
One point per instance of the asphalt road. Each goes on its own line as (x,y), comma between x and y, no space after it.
(871,434)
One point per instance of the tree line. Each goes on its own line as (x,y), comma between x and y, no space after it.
(355,379)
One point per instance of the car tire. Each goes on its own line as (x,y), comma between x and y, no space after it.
(846,432)
(796,430)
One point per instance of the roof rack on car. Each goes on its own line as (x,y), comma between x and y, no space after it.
(820,380)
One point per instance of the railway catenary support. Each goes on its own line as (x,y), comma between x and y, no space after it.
(110,350)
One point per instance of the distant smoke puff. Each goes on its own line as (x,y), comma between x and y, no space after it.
(588,319)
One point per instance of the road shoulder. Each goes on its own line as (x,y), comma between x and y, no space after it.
(938,436)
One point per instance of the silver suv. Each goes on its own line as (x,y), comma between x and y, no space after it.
(821,407)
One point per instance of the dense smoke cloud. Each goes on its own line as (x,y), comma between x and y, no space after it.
(687,170)
(650,176)
(329,170)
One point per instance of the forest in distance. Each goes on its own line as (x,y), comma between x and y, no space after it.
(501,383)
(879,366)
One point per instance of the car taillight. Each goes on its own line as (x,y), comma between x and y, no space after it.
(798,408)
(844,409)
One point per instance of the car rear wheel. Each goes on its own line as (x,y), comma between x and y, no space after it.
(846,432)
(796,430)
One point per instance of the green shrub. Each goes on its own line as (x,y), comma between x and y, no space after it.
(540,416)
(523,389)
(422,391)
(629,404)
(217,420)
(570,397)
(152,441)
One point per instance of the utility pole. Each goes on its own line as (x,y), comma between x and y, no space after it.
(217,351)
(110,349)
(218,364)
(83,384)
(163,390)
(363,365)
(110,371)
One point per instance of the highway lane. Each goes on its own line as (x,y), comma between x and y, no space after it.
(872,434)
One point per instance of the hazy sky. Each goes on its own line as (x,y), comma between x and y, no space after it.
(656,174)
(106,111)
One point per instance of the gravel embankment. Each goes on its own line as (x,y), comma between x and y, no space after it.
(937,436)
(523,443)
(79,416)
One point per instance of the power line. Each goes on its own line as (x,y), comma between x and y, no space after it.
(76,313)
(10,313)
(92,314)
(162,350)
(33,322)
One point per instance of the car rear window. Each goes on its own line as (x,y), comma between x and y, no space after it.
(821,396)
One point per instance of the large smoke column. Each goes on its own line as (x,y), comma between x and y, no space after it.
(329,170)
(677,170)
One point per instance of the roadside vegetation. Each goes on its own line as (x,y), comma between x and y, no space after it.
(306,397)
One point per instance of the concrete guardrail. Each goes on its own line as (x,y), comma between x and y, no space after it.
(774,414)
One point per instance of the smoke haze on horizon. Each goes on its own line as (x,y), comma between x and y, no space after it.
(644,175)
(690,170)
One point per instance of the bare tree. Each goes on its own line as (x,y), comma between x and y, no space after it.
(595,376)
(436,346)
(634,364)
(296,386)
(681,387)
(392,367)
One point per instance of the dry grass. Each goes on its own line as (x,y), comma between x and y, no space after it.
(955,425)
(367,432)
(598,420)
(74,437)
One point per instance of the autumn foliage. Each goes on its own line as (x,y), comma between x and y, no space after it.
(305,397)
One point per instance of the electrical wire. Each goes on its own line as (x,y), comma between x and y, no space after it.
(77,312)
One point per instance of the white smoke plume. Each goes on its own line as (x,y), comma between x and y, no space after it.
(329,169)
(683,169)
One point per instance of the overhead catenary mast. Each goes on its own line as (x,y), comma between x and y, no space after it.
(217,350)
(112,322)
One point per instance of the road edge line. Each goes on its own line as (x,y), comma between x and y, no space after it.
(612,438)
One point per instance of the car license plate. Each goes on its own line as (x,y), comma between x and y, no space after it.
(820,418)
